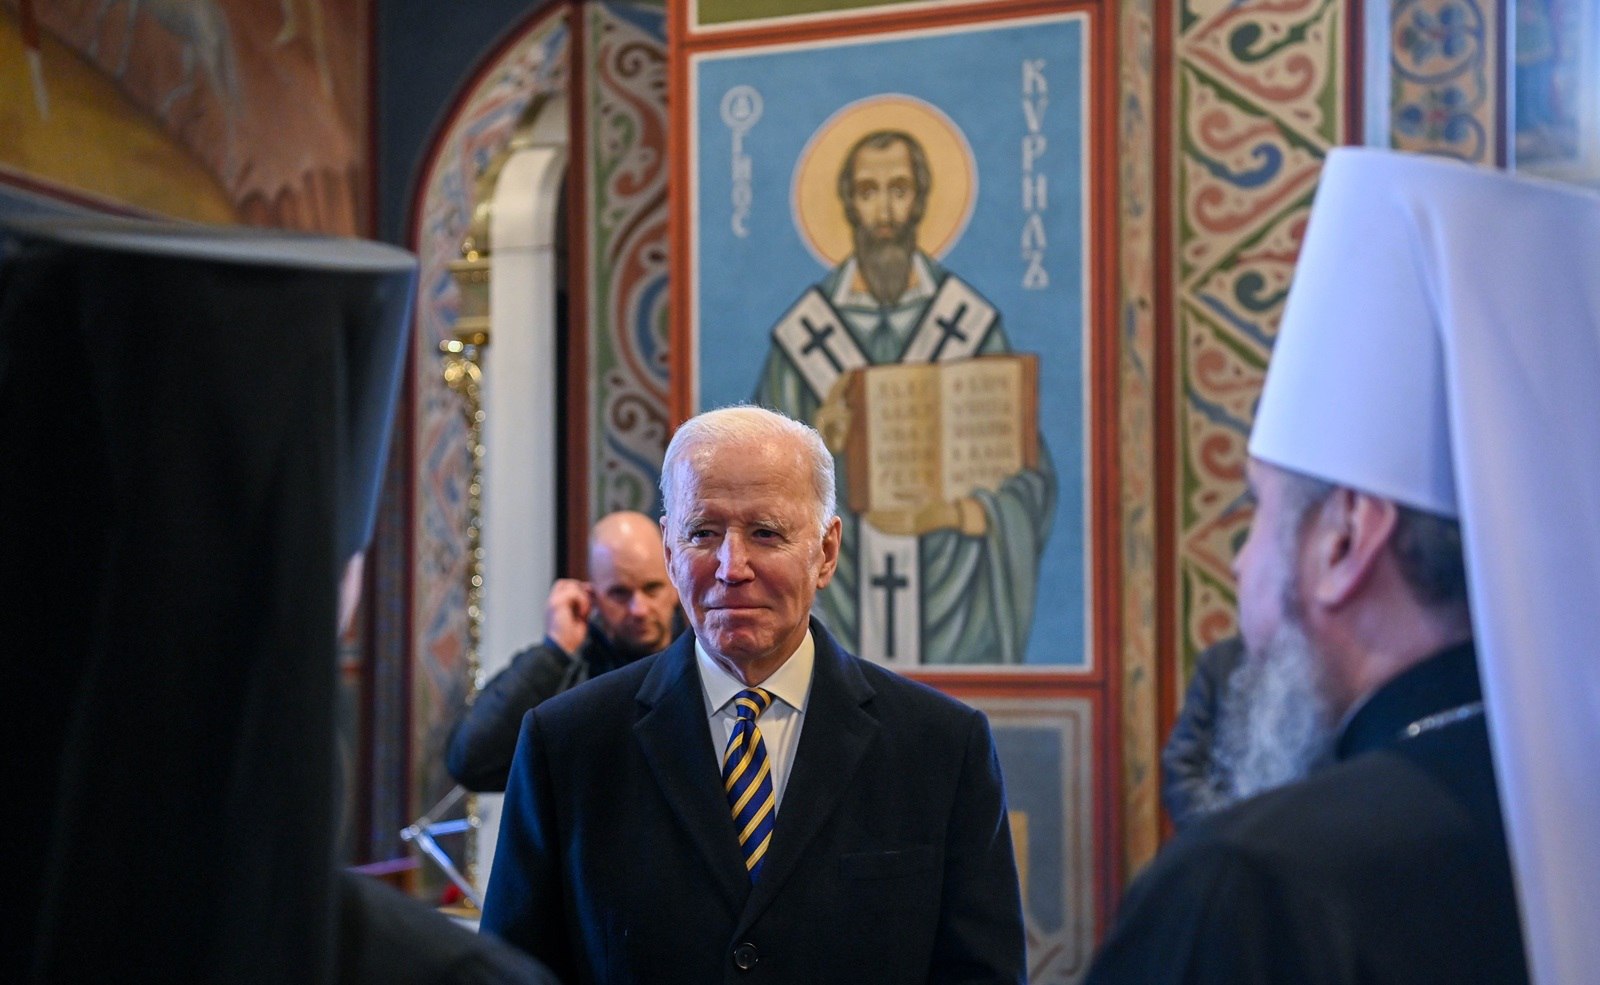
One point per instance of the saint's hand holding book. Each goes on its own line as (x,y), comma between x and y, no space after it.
(918,440)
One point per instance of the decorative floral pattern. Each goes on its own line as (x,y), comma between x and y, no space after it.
(1444,98)
(625,60)
(1260,100)
(533,64)
(627,187)
(1450,32)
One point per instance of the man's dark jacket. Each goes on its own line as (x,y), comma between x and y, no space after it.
(478,754)
(1388,867)
(891,860)
(1193,782)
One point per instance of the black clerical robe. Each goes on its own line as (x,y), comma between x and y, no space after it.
(195,421)
(1388,866)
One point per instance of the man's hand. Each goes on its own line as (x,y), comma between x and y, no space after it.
(566,613)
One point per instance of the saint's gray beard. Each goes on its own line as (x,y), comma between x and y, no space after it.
(1274,723)
(885,264)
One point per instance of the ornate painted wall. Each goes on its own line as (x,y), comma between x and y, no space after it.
(626,97)
(1259,95)
(1445,80)
(618,53)
(215,110)
(535,62)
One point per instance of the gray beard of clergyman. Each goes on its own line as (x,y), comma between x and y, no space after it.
(1274,724)
(885,262)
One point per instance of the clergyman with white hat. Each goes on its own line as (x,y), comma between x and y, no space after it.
(1425,462)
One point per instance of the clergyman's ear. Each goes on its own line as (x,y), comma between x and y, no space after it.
(1345,536)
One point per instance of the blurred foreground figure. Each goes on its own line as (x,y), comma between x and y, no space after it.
(195,424)
(1424,461)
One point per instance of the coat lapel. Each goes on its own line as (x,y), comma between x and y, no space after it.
(836,734)
(676,741)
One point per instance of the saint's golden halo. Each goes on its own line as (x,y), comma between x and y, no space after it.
(814,197)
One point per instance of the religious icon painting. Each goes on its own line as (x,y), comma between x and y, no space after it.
(1044,745)
(889,240)
(219,111)
(1555,89)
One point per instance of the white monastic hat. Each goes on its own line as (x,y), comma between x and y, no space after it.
(1441,348)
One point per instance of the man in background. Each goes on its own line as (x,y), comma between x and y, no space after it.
(628,609)
(1194,781)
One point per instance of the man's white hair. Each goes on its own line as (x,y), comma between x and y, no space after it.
(746,423)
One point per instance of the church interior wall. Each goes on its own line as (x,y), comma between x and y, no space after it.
(439,639)
(1258,96)
(425,53)
(214,110)
(1208,125)
(607,63)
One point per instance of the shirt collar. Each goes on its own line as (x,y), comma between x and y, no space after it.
(790,683)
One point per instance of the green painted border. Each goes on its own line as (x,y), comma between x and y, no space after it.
(1321,36)
(725,13)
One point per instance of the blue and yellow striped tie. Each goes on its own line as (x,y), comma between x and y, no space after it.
(747,777)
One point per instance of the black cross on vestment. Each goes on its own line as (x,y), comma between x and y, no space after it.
(819,342)
(951,327)
(890,583)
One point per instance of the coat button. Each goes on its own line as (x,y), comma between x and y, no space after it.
(745,956)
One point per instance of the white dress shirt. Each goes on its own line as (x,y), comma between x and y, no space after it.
(780,724)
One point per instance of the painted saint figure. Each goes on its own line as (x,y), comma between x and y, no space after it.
(950,581)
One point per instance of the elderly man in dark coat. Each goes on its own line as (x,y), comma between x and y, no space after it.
(755,803)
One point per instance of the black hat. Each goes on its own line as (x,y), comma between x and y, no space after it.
(195,422)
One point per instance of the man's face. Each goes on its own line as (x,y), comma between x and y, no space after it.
(632,595)
(883,191)
(745,552)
